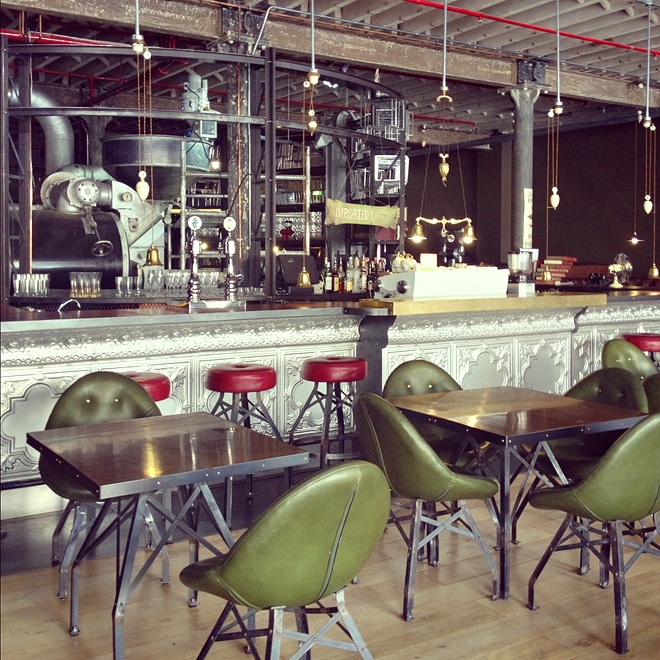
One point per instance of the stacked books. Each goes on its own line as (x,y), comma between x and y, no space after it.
(558,267)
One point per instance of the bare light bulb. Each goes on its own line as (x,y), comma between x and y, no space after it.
(142,187)
(648,204)
(554,198)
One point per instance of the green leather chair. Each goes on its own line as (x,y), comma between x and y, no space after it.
(652,388)
(577,455)
(623,487)
(415,472)
(423,377)
(612,386)
(95,398)
(621,353)
(309,544)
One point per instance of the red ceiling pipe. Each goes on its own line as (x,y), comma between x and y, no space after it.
(49,39)
(529,26)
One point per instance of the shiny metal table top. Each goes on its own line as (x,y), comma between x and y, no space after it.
(124,458)
(514,415)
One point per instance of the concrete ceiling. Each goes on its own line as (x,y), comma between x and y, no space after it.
(602,47)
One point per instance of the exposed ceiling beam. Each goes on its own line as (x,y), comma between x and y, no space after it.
(202,21)
(424,61)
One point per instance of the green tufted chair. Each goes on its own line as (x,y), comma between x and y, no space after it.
(652,389)
(415,472)
(621,353)
(95,398)
(577,455)
(612,386)
(423,377)
(623,487)
(309,544)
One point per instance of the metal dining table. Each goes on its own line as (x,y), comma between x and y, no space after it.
(126,463)
(510,418)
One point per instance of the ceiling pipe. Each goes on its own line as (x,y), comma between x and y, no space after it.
(49,39)
(529,26)
(58,133)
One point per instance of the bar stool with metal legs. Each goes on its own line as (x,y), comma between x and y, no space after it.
(245,383)
(157,385)
(334,379)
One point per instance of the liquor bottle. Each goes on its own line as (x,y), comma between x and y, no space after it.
(372,276)
(363,275)
(327,276)
(335,277)
(342,277)
(355,272)
(348,282)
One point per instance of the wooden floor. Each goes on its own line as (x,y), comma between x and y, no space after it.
(454,616)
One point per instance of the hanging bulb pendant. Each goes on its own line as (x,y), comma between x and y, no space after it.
(444,168)
(142,187)
(554,198)
(648,204)
(312,124)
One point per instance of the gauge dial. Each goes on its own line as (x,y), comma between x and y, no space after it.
(229,223)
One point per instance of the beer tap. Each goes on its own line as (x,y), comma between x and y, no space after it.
(231,280)
(194,286)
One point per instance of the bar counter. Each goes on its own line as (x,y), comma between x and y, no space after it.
(545,342)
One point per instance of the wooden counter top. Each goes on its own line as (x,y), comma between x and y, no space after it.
(406,307)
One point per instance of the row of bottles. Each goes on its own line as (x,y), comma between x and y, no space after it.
(358,276)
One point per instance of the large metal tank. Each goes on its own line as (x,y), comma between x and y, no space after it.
(60,245)
(125,155)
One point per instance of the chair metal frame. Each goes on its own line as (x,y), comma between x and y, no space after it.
(607,546)
(276,631)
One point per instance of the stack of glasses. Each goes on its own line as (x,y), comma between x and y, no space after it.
(85,284)
(31,284)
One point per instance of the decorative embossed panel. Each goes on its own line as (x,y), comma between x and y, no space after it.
(543,364)
(487,364)
(27,400)
(440,355)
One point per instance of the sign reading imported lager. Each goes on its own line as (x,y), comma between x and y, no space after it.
(343,213)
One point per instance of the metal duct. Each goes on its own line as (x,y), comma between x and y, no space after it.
(57,131)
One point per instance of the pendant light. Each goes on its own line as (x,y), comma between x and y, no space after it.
(635,239)
(144,188)
(553,127)
(444,96)
(652,176)
(647,123)
(313,76)
(444,167)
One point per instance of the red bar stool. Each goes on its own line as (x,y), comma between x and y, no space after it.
(245,383)
(334,379)
(646,341)
(157,385)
